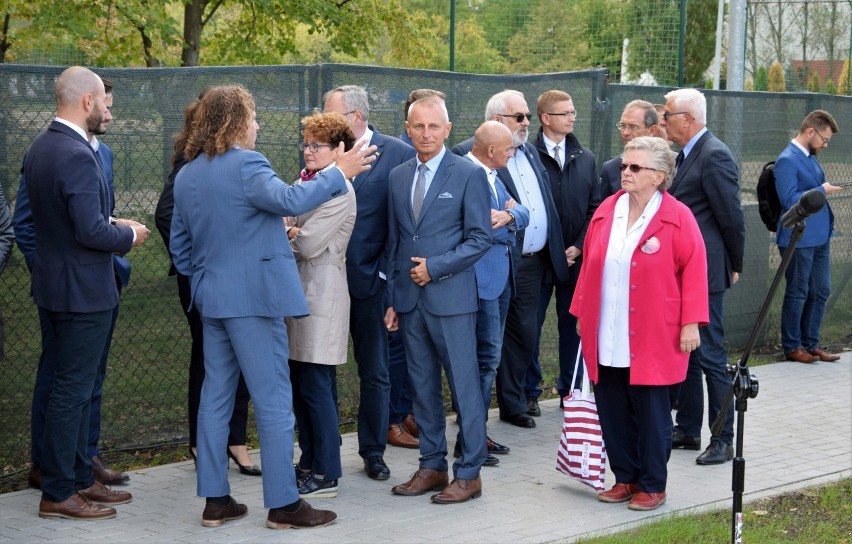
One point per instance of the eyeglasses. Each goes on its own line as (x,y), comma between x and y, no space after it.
(824,139)
(519,117)
(668,114)
(631,128)
(313,148)
(564,114)
(635,168)
(349,112)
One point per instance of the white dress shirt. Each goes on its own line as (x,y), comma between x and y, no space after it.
(526,182)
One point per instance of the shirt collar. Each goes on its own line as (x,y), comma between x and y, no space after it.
(432,164)
(550,144)
(800,146)
(76,128)
(691,143)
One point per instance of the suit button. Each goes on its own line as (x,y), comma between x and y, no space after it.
(632,310)
(414,238)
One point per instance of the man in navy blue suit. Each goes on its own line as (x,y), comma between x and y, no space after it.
(73,283)
(707,181)
(495,275)
(365,278)
(808,276)
(438,226)
(539,251)
(25,237)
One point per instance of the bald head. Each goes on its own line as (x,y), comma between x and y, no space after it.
(492,144)
(81,99)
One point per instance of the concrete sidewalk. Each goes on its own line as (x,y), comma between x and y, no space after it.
(798,433)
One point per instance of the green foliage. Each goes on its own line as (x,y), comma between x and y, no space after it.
(830,87)
(814,83)
(761,80)
(653,30)
(700,39)
(775,82)
(844,86)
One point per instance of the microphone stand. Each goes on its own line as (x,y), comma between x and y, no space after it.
(744,386)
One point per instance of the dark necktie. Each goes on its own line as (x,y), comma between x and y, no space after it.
(679,160)
(419,191)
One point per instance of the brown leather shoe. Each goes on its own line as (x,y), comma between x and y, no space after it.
(303,518)
(106,475)
(215,515)
(74,507)
(647,501)
(425,479)
(459,491)
(411,426)
(801,356)
(101,494)
(619,493)
(399,436)
(34,478)
(823,356)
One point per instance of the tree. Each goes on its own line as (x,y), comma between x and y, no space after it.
(830,87)
(843,81)
(700,39)
(749,85)
(549,41)
(761,79)
(653,31)
(814,83)
(776,83)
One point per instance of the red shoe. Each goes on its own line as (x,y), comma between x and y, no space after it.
(619,493)
(647,501)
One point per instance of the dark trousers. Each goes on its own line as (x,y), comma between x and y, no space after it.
(709,360)
(636,425)
(401,395)
(316,416)
(239,420)
(370,347)
(79,340)
(569,340)
(519,337)
(44,383)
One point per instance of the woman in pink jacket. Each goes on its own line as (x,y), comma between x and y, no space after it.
(641,296)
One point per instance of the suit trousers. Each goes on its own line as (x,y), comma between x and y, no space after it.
(808,287)
(258,347)
(636,424)
(239,420)
(710,359)
(316,415)
(78,342)
(521,333)
(401,394)
(370,348)
(433,342)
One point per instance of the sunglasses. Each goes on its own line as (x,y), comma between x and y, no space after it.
(519,117)
(635,168)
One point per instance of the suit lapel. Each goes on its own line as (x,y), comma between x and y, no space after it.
(439,180)
(378,141)
(689,160)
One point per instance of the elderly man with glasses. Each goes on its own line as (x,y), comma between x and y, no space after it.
(639,118)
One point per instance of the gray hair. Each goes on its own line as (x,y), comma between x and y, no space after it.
(497,104)
(690,100)
(650,117)
(355,98)
(662,158)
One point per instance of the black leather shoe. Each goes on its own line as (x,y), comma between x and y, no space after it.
(519,420)
(376,468)
(682,442)
(716,453)
(533,408)
(490,461)
(494,448)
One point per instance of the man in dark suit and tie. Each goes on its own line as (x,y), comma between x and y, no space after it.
(438,226)
(707,181)
(639,118)
(25,237)
(539,250)
(809,273)
(366,281)
(495,277)
(73,283)
(574,184)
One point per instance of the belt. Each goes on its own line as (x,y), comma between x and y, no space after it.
(532,254)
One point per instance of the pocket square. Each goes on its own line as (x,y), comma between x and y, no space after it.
(445,195)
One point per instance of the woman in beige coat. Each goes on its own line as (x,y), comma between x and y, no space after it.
(318,343)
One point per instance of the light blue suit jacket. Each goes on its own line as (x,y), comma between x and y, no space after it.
(495,267)
(453,232)
(228,235)
(796,173)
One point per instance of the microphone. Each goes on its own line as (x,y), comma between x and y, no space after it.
(810,203)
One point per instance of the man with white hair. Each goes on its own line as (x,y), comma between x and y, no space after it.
(707,181)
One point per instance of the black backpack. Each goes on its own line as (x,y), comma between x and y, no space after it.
(769,205)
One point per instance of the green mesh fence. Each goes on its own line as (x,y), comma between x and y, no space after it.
(145,392)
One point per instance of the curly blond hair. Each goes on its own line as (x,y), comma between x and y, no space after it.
(221,120)
(329,128)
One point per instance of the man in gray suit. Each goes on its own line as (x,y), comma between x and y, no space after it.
(707,181)
(438,227)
